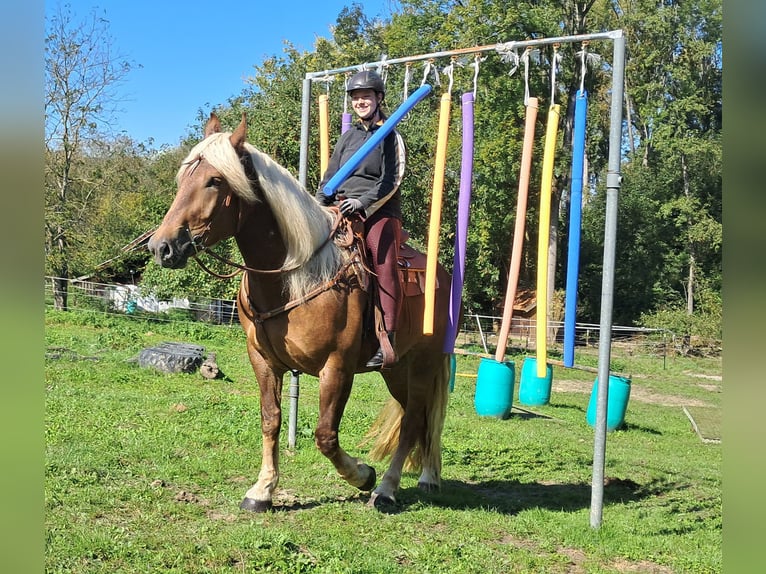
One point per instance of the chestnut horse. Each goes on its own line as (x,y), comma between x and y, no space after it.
(301,304)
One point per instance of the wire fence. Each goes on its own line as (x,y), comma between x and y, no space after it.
(478,334)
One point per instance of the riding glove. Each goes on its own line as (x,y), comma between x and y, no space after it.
(350,205)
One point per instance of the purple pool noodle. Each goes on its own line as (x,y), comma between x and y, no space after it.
(345,122)
(461,231)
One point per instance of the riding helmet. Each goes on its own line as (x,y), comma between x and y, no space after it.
(366,79)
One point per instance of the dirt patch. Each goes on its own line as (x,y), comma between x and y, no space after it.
(637,393)
(577,558)
(644,567)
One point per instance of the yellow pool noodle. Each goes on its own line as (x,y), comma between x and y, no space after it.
(324,133)
(435,221)
(544,238)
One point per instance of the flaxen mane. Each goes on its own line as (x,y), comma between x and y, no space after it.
(303,223)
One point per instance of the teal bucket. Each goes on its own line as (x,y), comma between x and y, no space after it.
(452,369)
(534,390)
(494,388)
(617,402)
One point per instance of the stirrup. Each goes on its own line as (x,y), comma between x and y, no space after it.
(376,361)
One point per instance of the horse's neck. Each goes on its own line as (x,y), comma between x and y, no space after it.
(262,247)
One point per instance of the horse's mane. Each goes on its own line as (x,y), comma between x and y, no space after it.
(303,223)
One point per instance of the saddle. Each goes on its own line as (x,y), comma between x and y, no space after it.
(412,275)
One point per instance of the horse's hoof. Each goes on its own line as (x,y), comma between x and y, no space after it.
(255,505)
(382,502)
(371,480)
(428,486)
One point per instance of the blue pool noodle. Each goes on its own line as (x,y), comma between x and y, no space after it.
(345,170)
(575,225)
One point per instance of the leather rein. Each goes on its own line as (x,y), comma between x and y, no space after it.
(341,231)
(199,249)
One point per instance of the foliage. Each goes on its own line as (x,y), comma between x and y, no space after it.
(704,325)
(81,78)
(669,231)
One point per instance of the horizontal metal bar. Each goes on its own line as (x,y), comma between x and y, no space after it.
(611,35)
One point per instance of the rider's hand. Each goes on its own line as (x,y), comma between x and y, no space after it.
(327,200)
(350,205)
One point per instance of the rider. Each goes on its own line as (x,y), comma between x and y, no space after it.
(372,190)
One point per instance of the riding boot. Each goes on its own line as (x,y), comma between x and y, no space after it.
(376,361)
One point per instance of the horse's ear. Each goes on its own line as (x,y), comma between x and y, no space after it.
(239,135)
(213,125)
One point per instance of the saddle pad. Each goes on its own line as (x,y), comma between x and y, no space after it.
(412,270)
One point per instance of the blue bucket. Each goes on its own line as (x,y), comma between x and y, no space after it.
(494,388)
(616,404)
(534,390)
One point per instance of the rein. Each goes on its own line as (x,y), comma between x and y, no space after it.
(239,268)
(345,236)
(342,232)
(326,286)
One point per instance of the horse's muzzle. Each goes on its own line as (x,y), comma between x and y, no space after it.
(173,252)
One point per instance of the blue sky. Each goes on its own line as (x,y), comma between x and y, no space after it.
(195,54)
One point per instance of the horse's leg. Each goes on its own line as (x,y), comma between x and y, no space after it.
(334,390)
(431,457)
(422,422)
(397,379)
(259,497)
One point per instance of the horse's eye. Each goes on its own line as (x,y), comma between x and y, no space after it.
(214,182)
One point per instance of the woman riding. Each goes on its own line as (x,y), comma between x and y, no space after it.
(372,191)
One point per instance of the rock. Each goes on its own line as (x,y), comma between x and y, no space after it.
(209,368)
(172,357)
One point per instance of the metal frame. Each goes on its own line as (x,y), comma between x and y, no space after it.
(613,181)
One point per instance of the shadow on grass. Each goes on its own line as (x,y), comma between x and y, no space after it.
(512,497)
(506,497)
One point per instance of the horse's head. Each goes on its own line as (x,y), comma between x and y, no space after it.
(211,183)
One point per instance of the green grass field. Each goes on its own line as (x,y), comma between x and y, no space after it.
(145,470)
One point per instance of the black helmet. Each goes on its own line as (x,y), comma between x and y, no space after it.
(366,79)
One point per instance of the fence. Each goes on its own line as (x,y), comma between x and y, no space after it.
(477,333)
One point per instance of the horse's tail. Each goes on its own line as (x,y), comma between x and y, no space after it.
(385,430)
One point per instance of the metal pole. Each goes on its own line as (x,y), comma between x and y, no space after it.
(292,423)
(607,283)
(305,125)
(294,392)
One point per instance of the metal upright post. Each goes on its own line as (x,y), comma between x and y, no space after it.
(305,131)
(607,282)
(292,423)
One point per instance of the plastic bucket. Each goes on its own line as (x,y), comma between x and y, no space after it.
(534,390)
(494,388)
(617,402)
(452,369)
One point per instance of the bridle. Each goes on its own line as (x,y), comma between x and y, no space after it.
(341,232)
(198,240)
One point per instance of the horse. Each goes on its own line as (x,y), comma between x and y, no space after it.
(302,302)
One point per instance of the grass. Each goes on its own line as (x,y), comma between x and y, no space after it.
(145,471)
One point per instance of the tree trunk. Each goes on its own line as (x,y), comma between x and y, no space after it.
(60,293)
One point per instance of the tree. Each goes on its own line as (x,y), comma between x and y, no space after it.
(670,201)
(674,95)
(81,76)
